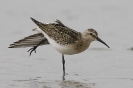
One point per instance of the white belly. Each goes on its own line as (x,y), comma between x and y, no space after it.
(63,49)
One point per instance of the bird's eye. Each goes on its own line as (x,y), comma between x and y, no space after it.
(91,34)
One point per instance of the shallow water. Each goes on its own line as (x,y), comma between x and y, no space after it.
(97,67)
(98,70)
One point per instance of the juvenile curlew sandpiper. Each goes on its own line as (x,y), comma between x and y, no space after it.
(64,39)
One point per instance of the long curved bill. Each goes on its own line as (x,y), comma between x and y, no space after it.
(98,39)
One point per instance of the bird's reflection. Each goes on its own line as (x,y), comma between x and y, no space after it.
(63,77)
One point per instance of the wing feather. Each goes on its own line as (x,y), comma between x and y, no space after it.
(30,41)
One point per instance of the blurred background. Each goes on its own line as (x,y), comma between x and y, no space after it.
(97,66)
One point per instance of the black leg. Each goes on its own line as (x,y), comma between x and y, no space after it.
(34,47)
(63,62)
